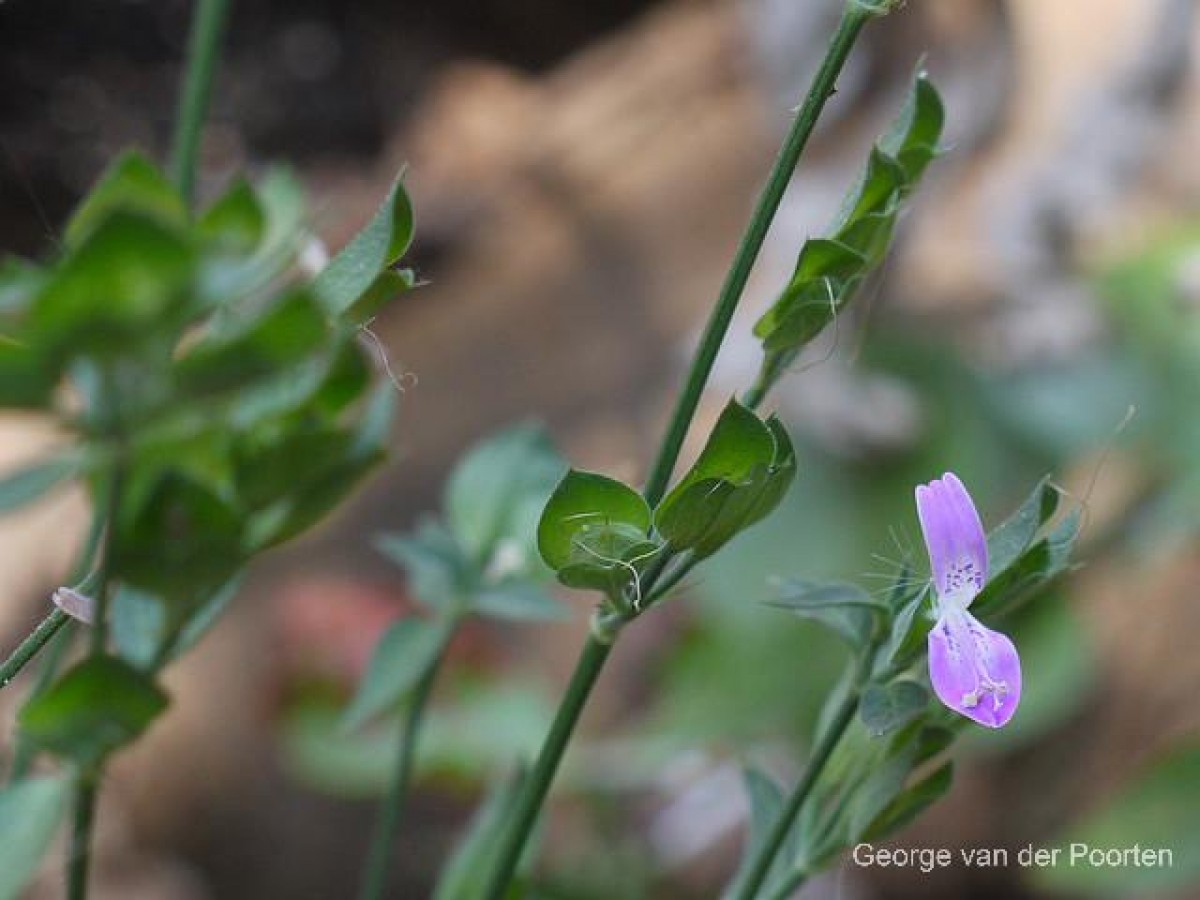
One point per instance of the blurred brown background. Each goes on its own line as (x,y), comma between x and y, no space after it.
(581,173)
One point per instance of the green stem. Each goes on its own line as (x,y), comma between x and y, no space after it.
(99,631)
(790,885)
(853,19)
(89,779)
(58,645)
(827,741)
(537,784)
(32,645)
(208,24)
(81,836)
(25,751)
(388,825)
(597,648)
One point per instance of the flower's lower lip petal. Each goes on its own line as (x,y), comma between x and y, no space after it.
(1005,667)
(960,649)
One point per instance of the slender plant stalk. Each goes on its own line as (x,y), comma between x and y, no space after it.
(208,24)
(390,813)
(99,630)
(827,742)
(57,646)
(853,19)
(32,645)
(88,779)
(537,784)
(790,885)
(48,668)
(596,651)
(79,860)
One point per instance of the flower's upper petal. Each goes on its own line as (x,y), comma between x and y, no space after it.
(975,671)
(954,536)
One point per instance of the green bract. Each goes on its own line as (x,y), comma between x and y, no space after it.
(831,269)
(595,533)
(742,473)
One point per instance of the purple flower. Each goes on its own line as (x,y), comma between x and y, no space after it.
(974,670)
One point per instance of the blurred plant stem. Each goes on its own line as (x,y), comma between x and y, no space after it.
(208,25)
(57,644)
(32,645)
(853,18)
(88,778)
(56,649)
(391,811)
(596,649)
(537,784)
(79,856)
(208,22)
(790,885)
(827,742)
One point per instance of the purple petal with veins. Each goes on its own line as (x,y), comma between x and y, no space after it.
(955,539)
(974,670)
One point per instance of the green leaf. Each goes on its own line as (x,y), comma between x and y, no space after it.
(437,570)
(884,782)
(740,444)
(498,488)
(138,622)
(27,378)
(1031,572)
(352,274)
(585,501)
(276,469)
(325,383)
(877,192)
(469,868)
(286,334)
(387,286)
(913,138)
(131,184)
(846,609)
(803,311)
(329,482)
(20,280)
(97,707)
(887,708)
(237,221)
(143,630)
(741,475)
(30,813)
(911,802)
(830,270)
(1156,810)
(766,803)
(406,650)
(910,630)
(609,558)
(30,484)
(520,601)
(1012,537)
(125,282)
(180,541)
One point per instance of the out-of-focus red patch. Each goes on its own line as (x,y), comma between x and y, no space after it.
(328,626)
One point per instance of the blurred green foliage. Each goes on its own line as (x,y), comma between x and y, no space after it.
(215,402)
